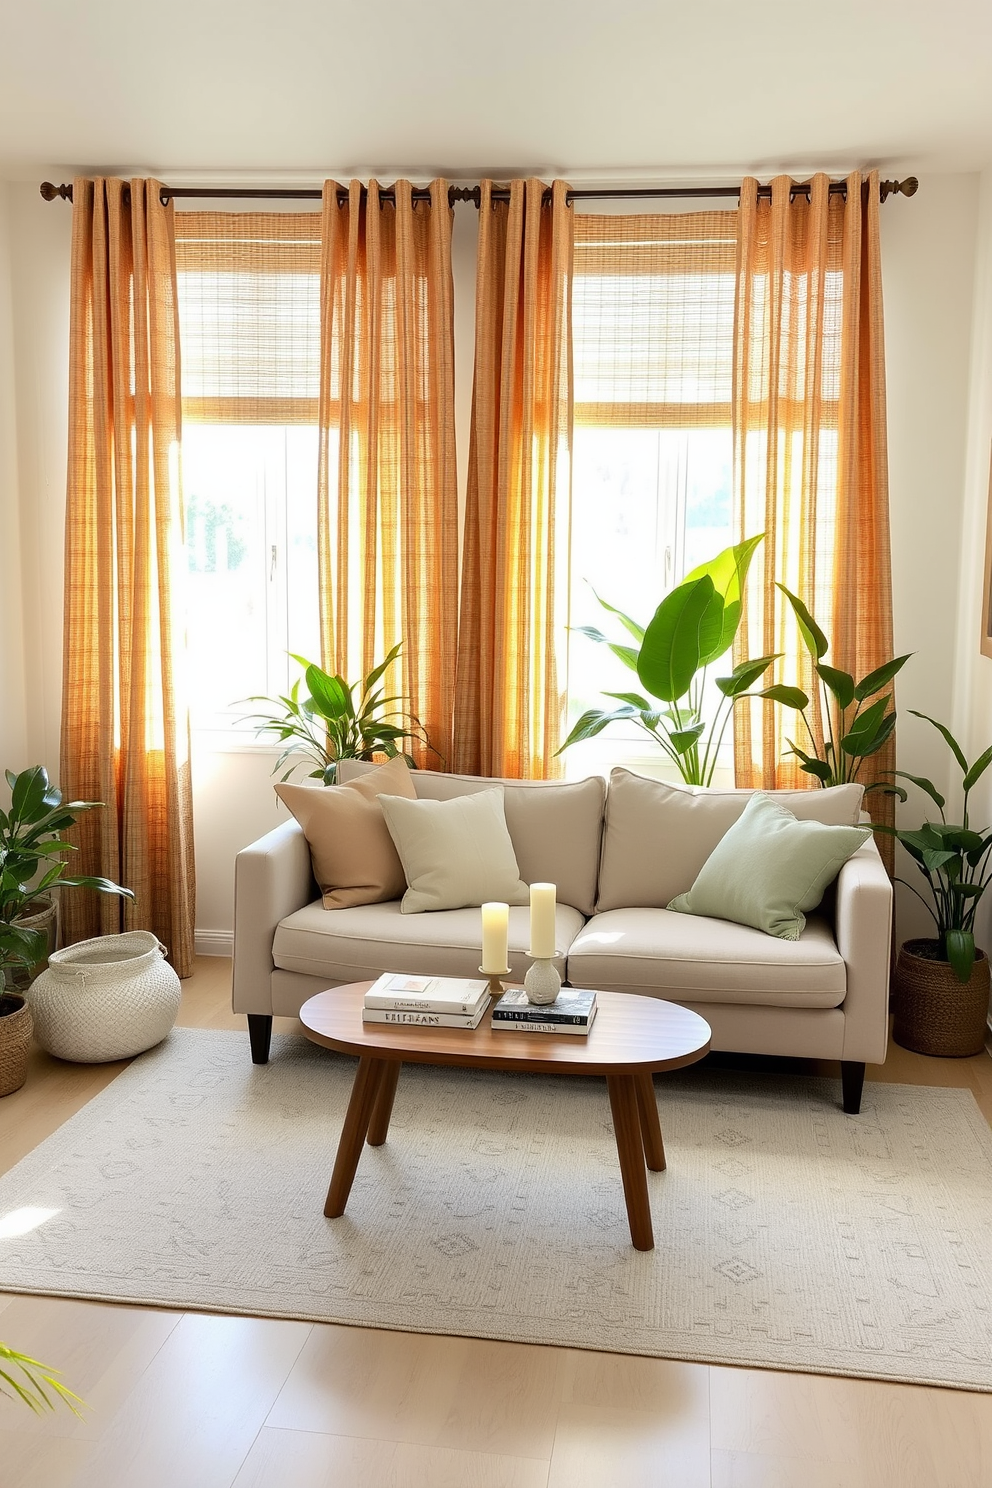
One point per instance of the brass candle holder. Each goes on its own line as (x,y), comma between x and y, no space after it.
(496,984)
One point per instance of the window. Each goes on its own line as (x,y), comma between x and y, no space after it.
(250,328)
(653,326)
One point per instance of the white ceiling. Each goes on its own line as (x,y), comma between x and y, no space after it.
(593,89)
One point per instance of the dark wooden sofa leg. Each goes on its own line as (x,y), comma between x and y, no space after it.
(852,1079)
(260,1033)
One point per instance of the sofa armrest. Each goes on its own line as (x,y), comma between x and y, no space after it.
(272,878)
(864,939)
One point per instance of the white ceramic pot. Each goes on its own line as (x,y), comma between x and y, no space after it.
(106,998)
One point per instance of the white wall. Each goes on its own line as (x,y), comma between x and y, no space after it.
(972,702)
(938,475)
(928,270)
(13,707)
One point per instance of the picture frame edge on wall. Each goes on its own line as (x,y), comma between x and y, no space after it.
(986,636)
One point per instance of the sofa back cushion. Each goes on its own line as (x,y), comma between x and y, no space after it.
(658,836)
(556,827)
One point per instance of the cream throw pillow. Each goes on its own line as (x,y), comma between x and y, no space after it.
(454,853)
(354,860)
(769,868)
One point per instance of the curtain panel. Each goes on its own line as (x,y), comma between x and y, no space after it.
(387,497)
(810,453)
(125,734)
(510,702)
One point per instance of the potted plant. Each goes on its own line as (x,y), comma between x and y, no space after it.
(30,845)
(858,722)
(941,984)
(337,720)
(691,629)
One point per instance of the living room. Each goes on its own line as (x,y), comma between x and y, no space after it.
(223,1397)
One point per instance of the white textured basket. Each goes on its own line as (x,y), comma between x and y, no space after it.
(106,998)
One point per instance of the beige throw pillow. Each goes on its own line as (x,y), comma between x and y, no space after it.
(455,853)
(658,835)
(354,860)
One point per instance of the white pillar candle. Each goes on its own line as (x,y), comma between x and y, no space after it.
(542,920)
(495,938)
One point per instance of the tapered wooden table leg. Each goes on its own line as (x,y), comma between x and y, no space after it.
(356,1124)
(647,1106)
(630,1149)
(383,1108)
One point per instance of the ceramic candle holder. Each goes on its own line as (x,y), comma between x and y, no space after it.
(496,984)
(543,980)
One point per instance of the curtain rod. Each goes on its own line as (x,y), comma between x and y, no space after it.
(473,194)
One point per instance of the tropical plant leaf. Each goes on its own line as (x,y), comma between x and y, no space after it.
(686,625)
(330,695)
(960,946)
(948,738)
(683,739)
(791,697)
(633,699)
(878,679)
(978,769)
(593,722)
(637,631)
(745,673)
(728,572)
(841,684)
(924,785)
(816,642)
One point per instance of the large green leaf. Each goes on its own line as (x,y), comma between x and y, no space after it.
(877,679)
(330,696)
(686,626)
(841,684)
(862,731)
(593,722)
(949,738)
(816,642)
(862,745)
(978,768)
(683,740)
(790,697)
(28,793)
(637,631)
(924,785)
(728,571)
(745,673)
(960,946)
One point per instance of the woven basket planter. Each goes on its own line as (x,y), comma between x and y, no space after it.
(106,998)
(15,1040)
(934,1012)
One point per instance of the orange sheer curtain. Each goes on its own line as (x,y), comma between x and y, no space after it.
(809,450)
(388,505)
(125,735)
(509,702)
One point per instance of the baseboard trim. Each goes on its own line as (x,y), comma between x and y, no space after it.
(214,943)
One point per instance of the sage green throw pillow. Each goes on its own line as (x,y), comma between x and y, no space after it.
(768,868)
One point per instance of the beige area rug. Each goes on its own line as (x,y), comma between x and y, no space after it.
(788,1235)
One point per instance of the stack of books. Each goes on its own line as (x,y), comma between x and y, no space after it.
(571,1012)
(435,1002)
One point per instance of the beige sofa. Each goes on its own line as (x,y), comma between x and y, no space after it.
(618,853)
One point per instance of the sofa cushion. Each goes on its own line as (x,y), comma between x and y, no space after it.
(658,835)
(555,826)
(454,853)
(768,868)
(689,958)
(350,945)
(354,860)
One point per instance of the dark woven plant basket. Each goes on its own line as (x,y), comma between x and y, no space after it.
(934,1012)
(15,1038)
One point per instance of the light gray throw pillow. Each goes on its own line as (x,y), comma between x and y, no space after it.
(454,853)
(768,868)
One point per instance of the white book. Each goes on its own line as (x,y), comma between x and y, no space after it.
(398,992)
(424,1018)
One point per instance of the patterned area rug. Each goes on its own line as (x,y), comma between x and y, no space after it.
(787,1234)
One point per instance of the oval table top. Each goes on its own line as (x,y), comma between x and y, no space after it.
(630,1032)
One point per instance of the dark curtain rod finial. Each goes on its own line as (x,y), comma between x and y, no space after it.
(473,194)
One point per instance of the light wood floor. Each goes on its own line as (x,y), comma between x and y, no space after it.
(209,1402)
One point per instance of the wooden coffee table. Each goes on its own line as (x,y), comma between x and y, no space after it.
(631,1038)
